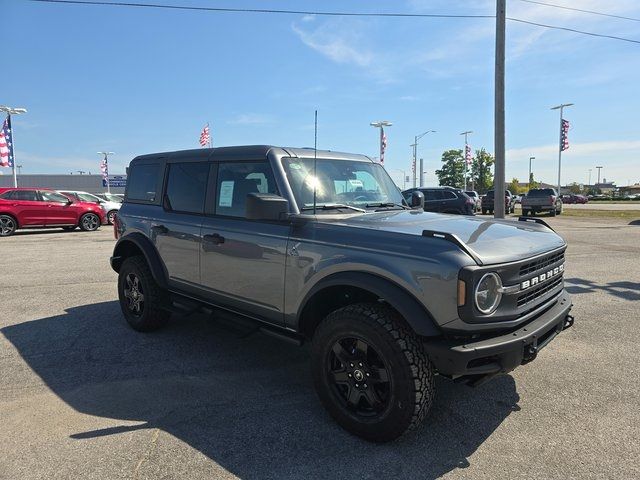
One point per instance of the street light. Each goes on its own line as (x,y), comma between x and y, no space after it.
(466,145)
(530,158)
(105,172)
(415,155)
(599,168)
(381,124)
(12,111)
(561,108)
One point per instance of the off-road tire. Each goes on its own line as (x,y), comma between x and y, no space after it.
(152,315)
(411,388)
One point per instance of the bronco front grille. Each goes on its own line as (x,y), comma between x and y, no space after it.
(533,293)
(541,263)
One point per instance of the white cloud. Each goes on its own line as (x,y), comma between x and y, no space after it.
(251,119)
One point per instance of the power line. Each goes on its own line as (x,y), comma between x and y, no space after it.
(329,13)
(566,29)
(262,10)
(602,14)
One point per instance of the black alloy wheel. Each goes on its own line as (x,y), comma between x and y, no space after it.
(8,226)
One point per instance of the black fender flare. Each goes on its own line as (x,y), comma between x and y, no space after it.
(416,315)
(137,241)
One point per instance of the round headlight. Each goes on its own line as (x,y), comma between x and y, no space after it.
(488,293)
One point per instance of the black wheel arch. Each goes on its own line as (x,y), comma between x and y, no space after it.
(341,289)
(138,244)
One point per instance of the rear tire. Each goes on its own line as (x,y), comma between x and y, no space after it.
(552,213)
(8,225)
(484,211)
(371,372)
(525,213)
(141,298)
(111,216)
(89,222)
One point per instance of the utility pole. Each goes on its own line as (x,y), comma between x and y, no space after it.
(466,145)
(560,146)
(421,173)
(529,181)
(599,168)
(414,167)
(11,146)
(415,156)
(105,172)
(499,140)
(589,178)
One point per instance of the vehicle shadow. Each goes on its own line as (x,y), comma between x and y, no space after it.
(39,231)
(622,289)
(246,402)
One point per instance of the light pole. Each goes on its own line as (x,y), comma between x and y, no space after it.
(404,177)
(415,155)
(12,111)
(589,178)
(530,158)
(560,146)
(381,124)
(599,168)
(466,146)
(105,171)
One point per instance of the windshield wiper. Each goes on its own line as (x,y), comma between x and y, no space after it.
(387,204)
(333,206)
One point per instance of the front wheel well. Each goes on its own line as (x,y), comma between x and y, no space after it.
(13,217)
(123,251)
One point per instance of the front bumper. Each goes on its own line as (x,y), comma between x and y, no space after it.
(502,353)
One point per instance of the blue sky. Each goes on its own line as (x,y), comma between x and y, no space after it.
(141,80)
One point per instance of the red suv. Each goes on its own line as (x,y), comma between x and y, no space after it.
(42,207)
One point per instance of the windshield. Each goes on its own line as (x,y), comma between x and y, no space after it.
(87,197)
(346,182)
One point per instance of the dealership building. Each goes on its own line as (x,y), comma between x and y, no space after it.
(83,183)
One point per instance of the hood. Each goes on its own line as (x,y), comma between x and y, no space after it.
(494,241)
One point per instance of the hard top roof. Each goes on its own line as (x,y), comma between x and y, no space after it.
(250,152)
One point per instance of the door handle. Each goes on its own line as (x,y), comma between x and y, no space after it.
(159,229)
(214,238)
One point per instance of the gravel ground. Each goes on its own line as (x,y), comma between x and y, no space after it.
(83,396)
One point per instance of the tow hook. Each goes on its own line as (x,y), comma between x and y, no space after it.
(530,354)
(568,322)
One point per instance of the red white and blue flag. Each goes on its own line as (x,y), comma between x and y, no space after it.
(104,170)
(564,135)
(6,144)
(205,137)
(383,144)
(467,154)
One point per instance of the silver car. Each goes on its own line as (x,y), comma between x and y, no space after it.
(110,208)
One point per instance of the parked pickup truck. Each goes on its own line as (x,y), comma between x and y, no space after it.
(487,204)
(321,247)
(541,200)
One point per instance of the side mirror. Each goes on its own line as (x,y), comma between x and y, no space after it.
(417,200)
(266,206)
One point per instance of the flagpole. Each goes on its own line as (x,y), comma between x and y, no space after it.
(13,149)
(561,108)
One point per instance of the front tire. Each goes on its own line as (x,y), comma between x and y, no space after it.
(141,298)
(371,372)
(8,225)
(89,222)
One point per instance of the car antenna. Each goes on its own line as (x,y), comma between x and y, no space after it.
(315,159)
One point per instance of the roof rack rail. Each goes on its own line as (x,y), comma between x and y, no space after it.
(535,220)
(450,237)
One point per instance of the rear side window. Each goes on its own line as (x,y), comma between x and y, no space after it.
(142,182)
(24,195)
(448,195)
(236,180)
(187,186)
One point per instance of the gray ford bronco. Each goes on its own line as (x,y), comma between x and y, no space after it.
(321,246)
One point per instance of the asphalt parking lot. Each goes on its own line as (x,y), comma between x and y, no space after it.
(84,396)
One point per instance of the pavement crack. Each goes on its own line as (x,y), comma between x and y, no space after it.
(147,454)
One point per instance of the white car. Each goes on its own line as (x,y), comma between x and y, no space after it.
(110,208)
(110,197)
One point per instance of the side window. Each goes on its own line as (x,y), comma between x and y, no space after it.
(448,195)
(143,182)
(187,186)
(53,197)
(25,195)
(429,195)
(236,180)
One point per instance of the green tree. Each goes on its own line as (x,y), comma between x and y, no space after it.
(575,188)
(480,174)
(452,171)
(514,187)
(532,183)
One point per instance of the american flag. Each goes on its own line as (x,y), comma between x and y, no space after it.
(467,154)
(383,144)
(205,138)
(6,144)
(564,136)
(104,169)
